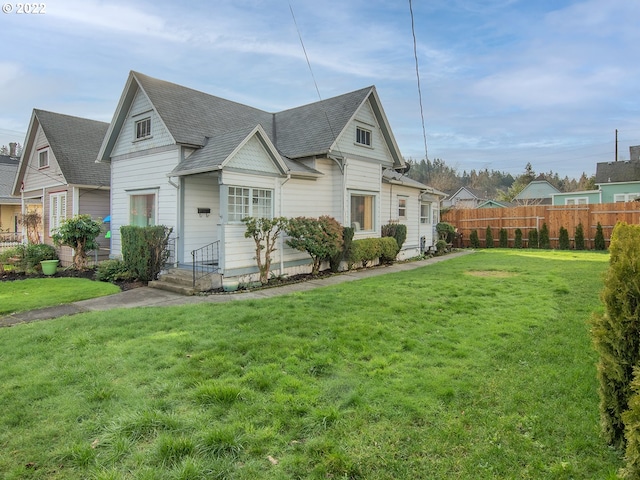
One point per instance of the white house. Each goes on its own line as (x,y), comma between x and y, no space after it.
(200,163)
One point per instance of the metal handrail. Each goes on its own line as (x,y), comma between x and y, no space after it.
(205,261)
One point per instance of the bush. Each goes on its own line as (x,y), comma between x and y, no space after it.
(503,241)
(446,232)
(616,332)
(113,271)
(389,249)
(441,247)
(397,231)
(474,241)
(367,250)
(320,237)
(598,241)
(579,238)
(533,238)
(144,250)
(80,233)
(517,241)
(34,253)
(488,239)
(347,238)
(544,241)
(563,239)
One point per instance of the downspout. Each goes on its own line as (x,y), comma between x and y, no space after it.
(22,211)
(342,165)
(282,234)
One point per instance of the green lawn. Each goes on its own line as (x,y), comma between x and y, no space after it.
(34,293)
(478,367)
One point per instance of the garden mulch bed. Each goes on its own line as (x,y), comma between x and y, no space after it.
(89,274)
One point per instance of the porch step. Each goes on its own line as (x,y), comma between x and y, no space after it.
(181,281)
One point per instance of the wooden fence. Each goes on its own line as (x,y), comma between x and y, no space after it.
(531,217)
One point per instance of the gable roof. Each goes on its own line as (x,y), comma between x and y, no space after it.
(391,176)
(201,120)
(617,172)
(75,143)
(535,190)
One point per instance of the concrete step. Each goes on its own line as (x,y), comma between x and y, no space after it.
(171,287)
(181,279)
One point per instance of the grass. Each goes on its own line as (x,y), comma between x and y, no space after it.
(480,367)
(34,293)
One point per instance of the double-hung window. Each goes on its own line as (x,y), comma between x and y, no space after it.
(143,128)
(402,208)
(363,136)
(245,202)
(57,210)
(43,158)
(362,212)
(142,209)
(425,213)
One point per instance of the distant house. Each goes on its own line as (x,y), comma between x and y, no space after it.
(200,164)
(57,169)
(537,192)
(496,204)
(465,197)
(616,182)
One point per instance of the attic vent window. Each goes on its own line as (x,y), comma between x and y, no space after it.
(363,137)
(43,158)
(143,128)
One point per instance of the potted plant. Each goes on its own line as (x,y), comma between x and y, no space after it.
(49,267)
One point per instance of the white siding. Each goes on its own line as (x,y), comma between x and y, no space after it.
(313,198)
(142,173)
(36,178)
(389,207)
(126,143)
(200,191)
(363,175)
(378,150)
(253,156)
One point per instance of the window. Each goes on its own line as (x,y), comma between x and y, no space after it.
(43,158)
(143,128)
(625,197)
(402,207)
(362,212)
(249,202)
(363,137)
(425,213)
(57,210)
(576,201)
(142,210)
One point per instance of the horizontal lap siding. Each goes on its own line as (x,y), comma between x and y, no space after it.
(200,191)
(147,172)
(37,178)
(389,208)
(96,203)
(314,198)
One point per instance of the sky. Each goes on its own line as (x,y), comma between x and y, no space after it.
(500,83)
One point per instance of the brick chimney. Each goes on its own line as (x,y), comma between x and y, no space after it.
(634,153)
(12,149)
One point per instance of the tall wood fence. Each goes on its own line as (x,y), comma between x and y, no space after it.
(531,217)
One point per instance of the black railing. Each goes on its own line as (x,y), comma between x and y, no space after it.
(171,250)
(205,261)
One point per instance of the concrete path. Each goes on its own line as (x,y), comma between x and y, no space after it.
(151,297)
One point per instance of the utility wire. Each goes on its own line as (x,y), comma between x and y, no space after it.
(415,55)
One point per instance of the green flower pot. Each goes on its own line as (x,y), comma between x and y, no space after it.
(49,267)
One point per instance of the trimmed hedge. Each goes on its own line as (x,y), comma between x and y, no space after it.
(366,250)
(397,231)
(144,250)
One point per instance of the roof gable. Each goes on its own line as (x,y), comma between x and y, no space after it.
(536,190)
(617,172)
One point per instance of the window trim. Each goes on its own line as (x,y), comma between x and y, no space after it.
(576,201)
(252,205)
(425,220)
(402,208)
(60,210)
(368,137)
(137,193)
(625,197)
(374,207)
(137,130)
(40,152)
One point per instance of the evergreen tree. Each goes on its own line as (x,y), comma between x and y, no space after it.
(579,237)
(517,242)
(564,239)
(504,238)
(489,238)
(544,241)
(598,241)
(533,238)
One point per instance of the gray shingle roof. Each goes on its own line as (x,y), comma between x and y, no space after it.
(614,172)
(75,142)
(8,170)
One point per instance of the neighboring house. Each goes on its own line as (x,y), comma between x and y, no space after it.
(199,164)
(537,192)
(465,197)
(496,204)
(57,169)
(616,182)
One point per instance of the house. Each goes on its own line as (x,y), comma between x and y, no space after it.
(57,170)
(199,164)
(496,204)
(537,192)
(465,197)
(615,182)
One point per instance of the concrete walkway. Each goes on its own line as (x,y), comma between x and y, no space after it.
(151,297)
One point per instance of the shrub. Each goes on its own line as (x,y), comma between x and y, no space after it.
(563,239)
(113,271)
(474,241)
(441,247)
(388,249)
(517,241)
(446,232)
(397,231)
(579,238)
(347,238)
(543,241)
(80,233)
(144,250)
(533,238)
(598,241)
(488,239)
(320,237)
(616,332)
(503,241)
(631,419)
(366,250)
(34,253)
(265,232)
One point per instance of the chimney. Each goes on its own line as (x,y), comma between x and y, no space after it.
(12,149)
(634,153)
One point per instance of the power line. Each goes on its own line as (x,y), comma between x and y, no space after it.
(415,55)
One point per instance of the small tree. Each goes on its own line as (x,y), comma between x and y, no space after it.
(265,232)
(544,241)
(80,233)
(533,238)
(503,238)
(598,241)
(31,220)
(488,238)
(446,232)
(579,238)
(517,241)
(563,239)
(320,237)
(474,241)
